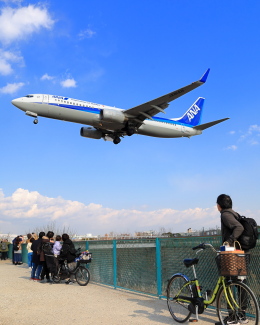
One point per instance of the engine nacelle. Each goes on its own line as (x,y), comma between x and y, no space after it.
(112,115)
(89,132)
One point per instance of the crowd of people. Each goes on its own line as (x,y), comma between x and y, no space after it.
(45,253)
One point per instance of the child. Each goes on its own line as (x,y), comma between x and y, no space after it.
(56,251)
(57,246)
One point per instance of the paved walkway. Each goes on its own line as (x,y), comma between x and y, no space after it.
(26,302)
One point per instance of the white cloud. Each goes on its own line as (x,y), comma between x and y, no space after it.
(252,132)
(68,83)
(24,207)
(47,77)
(87,33)
(19,23)
(233,147)
(6,58)
(232,132)
(11,88)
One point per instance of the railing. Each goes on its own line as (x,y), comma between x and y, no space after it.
(145,265)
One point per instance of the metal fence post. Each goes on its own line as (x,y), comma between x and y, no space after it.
(158,266)
(114,264)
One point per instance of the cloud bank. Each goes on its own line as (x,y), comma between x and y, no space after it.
(24,209)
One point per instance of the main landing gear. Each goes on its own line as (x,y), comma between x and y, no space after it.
(35,121)
(130,131)
(116,140)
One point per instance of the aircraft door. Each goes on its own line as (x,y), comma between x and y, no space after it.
(45,99)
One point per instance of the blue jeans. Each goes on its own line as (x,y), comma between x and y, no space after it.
(30,259)
(36,271)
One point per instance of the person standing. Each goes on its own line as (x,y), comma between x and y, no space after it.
(68,252)
(45,250)
(30,252)
(18,251)
(4,249)
(231,229)
(36,266)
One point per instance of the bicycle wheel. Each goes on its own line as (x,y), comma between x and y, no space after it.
(239,304)
(178,309)
(82,276)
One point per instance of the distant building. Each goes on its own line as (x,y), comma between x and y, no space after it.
(9,237)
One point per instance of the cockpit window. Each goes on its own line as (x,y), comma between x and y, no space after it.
(28,96)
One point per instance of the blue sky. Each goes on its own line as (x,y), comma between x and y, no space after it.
(125,53)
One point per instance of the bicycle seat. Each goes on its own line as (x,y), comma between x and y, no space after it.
(190,261)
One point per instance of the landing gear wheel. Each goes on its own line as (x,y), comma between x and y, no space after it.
(130,131)
(116,140)
(35,121)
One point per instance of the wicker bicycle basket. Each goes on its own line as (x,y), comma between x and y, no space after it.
(232,264)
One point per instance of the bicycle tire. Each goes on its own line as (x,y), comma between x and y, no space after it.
(82,276)
(242,304)
(178,310)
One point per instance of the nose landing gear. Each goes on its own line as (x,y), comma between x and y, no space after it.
(35,121)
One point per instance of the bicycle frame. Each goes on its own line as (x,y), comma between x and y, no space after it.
(220,282)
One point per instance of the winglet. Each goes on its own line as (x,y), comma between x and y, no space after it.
(205,76)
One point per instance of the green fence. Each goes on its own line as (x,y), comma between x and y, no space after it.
(145,265)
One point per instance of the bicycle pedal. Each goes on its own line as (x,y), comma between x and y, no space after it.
(193,320)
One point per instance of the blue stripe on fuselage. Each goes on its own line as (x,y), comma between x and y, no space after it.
(94,110)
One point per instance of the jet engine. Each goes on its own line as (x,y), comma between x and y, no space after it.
(90,132)
(112,115)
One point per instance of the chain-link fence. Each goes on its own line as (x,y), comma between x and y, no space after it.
(146,265)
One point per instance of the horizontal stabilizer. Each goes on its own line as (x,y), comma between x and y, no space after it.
(202,127)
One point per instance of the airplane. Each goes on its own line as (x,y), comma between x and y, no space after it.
(111,123)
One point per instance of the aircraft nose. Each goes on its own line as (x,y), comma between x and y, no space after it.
(15,101)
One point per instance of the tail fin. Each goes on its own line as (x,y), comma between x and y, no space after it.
(193,115)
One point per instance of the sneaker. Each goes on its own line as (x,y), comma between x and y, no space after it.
(233,322)
(35,279)
(228,321)
(243,320)
(69,282)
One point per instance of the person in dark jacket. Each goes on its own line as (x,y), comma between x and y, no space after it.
(36,266)
(68,249)
(67,253)
(231,228)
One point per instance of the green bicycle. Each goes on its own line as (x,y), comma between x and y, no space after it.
(235,301)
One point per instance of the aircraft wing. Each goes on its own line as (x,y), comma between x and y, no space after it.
(147,110)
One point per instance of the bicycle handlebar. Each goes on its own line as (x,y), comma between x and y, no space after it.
(200,246)
(204,246)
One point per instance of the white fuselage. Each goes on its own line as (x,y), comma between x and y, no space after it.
(88,113)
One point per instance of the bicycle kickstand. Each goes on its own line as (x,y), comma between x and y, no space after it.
(197,316)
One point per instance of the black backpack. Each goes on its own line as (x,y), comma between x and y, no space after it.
(249,236)
(47,248)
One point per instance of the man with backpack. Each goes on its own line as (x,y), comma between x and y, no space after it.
(236,228)
(231,228)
